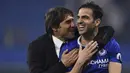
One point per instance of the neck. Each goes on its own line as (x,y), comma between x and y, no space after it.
(87,37)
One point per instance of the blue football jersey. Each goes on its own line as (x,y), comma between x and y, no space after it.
(99,62)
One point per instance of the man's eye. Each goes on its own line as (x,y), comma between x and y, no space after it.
(69,21)
(85,17)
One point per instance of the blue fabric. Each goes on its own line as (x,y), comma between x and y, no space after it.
(100,61)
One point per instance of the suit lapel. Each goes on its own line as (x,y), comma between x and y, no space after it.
(51,52)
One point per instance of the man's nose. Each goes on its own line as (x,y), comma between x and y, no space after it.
(72,25)
(80,21)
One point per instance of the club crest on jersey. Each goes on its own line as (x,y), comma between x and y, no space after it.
(118,56)
(102,52)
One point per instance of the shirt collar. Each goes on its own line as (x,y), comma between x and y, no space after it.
(57,42)
(79,41)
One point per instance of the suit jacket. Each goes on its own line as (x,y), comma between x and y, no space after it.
(42,57)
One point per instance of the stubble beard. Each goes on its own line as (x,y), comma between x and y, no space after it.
(90,34)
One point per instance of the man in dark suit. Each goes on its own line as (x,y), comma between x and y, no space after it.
(43,52)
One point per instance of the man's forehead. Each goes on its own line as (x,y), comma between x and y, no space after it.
(85,12)
(83,15)
(69,18)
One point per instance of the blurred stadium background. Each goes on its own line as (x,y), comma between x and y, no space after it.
(22,21)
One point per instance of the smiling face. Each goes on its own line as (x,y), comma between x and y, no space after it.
(66,28)
(85,21)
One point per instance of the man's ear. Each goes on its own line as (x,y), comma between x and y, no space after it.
(97,22)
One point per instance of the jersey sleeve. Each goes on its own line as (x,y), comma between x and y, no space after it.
(114,51)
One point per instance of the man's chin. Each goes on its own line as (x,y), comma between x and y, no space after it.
(81,32)
(69,37)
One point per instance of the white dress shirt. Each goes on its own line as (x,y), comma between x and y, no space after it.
(58,44)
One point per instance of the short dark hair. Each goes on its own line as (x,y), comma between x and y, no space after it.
(55,16)
(97,10)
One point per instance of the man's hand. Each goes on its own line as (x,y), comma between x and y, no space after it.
(84,56)
(86,53)
(69,58)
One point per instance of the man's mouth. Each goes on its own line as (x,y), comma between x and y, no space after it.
(81,27)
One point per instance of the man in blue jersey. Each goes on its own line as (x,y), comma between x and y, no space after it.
(106,60)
